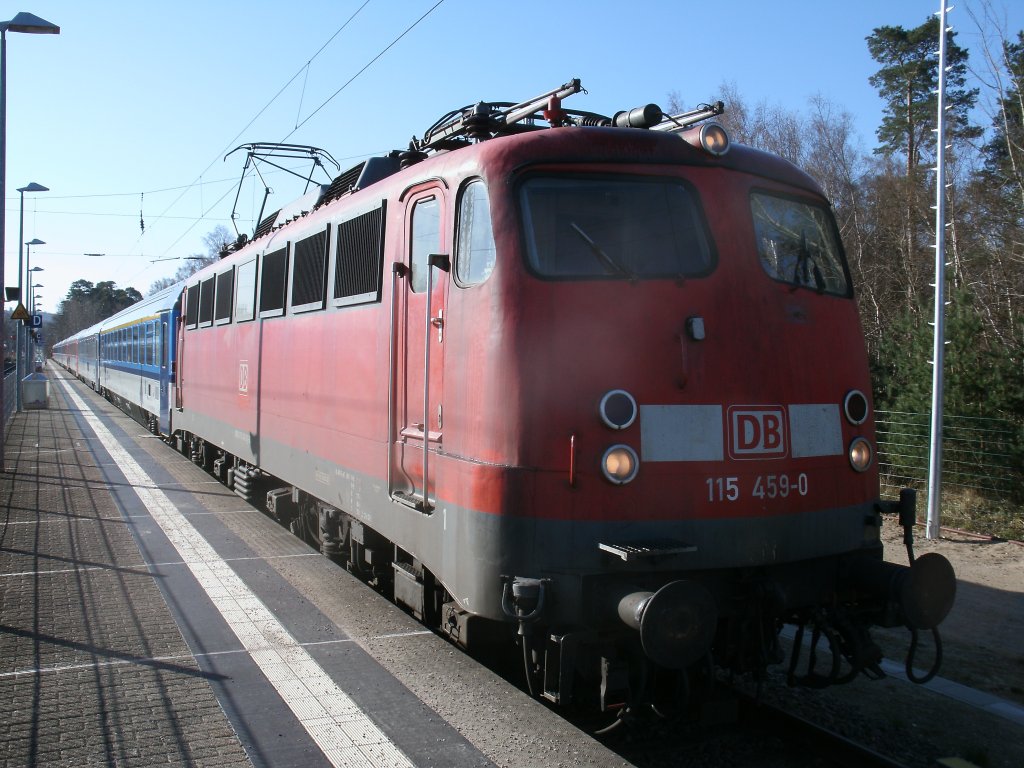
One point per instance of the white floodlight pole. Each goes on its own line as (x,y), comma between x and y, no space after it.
(939,341)
(31,24)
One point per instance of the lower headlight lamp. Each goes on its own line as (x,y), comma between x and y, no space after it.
(861,455)
(620,464)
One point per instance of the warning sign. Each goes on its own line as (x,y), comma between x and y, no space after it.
(20,313)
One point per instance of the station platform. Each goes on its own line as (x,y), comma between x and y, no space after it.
(148,616)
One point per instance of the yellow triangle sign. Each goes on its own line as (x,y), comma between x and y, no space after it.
(20,313)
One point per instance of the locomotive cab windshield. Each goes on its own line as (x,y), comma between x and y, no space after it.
(797,244)
(614,227)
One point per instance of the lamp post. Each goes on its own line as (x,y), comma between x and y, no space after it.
(22,348)
(30,187)
(29,269)
(30,24)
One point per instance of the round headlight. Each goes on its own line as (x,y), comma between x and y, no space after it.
(714,139)
(620,464)
(860,454)
(618,409)
(855,406)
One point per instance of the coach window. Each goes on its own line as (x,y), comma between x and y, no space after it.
(225,289)
(359,258)
(474,257)
(309,272)
(426,239)
(273,280)
(206,291)
(192,306)
(245,291)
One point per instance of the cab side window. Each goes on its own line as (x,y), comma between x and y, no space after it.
(426,239)
(475,252)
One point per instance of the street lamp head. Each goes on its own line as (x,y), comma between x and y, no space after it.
(30,23)
(33,187)
(37,269)
(36,241)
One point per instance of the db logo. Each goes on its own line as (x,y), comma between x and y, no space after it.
(243,377)
(757,432)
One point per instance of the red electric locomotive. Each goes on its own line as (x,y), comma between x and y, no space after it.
(597,383)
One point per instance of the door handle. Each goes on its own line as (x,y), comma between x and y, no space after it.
(438,322)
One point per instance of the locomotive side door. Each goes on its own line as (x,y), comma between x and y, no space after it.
(420,295)
(178,366)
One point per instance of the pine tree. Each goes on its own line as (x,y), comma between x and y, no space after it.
(907,83)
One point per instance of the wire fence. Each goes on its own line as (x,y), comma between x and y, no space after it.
(984,456)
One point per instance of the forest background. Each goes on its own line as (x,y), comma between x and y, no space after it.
(884,202)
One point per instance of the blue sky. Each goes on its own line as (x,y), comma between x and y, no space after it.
(131,109)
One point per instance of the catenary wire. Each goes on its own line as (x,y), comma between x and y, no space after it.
(315,111)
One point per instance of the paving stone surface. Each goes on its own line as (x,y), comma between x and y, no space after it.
(93,669)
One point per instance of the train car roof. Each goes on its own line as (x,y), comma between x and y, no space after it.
(147,309)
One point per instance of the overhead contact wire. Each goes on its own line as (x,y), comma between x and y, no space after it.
(256,117)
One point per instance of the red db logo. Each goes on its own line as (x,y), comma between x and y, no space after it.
(757,432)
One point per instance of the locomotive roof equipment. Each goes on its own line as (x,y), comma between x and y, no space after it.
(258,152)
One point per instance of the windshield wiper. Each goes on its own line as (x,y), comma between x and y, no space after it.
(603,257)
(803,257)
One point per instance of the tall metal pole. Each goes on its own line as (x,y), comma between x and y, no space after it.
(939,345)
(3,232)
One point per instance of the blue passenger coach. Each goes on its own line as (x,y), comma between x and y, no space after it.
(136,357)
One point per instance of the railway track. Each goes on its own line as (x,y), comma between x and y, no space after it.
(823,746)
(738,731)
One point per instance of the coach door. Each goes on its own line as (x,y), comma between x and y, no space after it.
(419,298)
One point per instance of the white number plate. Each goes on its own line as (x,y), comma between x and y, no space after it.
(763,487)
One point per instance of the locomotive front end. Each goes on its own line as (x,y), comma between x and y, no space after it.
(703,461)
